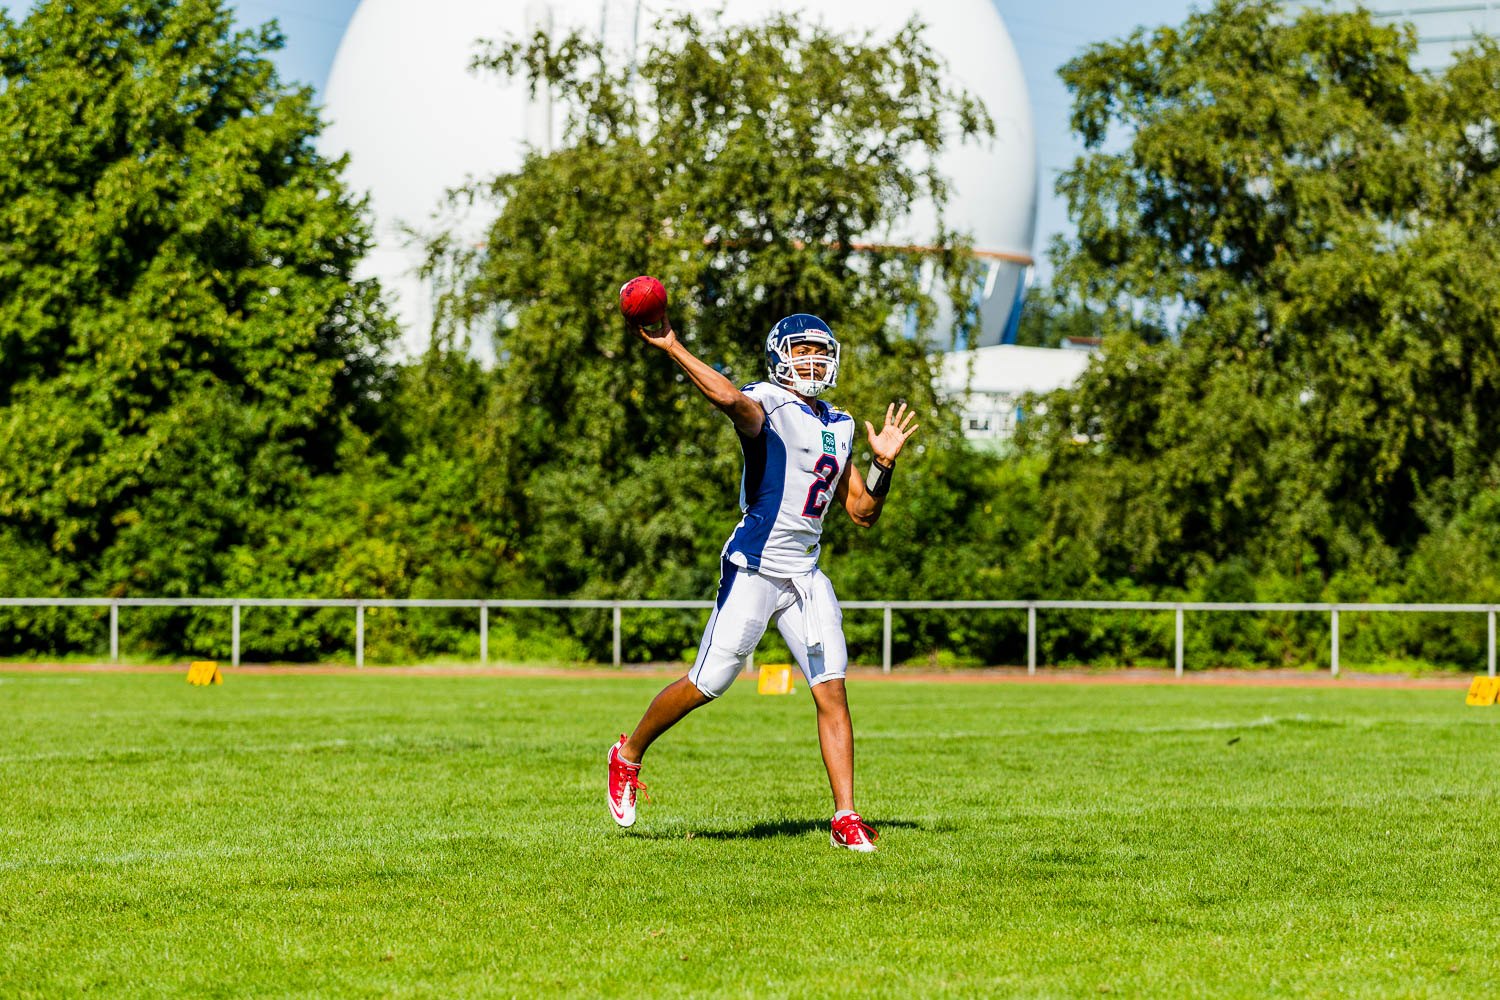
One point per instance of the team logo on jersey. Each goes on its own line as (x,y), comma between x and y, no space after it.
(828,445)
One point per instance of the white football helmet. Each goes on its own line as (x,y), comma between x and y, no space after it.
(807,374)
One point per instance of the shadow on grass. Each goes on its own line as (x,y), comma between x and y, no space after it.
(782,828)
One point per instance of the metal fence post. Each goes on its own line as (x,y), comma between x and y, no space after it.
(1492,642)
(1030,640)
(114,632)
(1335,630)
(359,635)
(615,621)
(484,634)
(885,640)
(234,635)
(1179,641)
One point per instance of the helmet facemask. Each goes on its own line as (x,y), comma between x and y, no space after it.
(806,374)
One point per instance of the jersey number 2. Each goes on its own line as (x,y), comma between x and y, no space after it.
(821,491)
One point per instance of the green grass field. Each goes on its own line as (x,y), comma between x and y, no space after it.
(370,835)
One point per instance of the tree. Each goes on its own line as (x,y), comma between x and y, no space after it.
(1314,225)
(182,344)
(1048,319)
(740,165)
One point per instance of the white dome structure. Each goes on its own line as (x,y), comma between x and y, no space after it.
(415,122)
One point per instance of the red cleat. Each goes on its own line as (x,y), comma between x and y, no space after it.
(624,779)
(854,833)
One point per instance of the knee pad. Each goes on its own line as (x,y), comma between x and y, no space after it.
(716,670)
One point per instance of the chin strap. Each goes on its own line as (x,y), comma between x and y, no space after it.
(878,479)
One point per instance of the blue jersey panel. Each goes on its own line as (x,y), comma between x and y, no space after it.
(763,486)
(792,470)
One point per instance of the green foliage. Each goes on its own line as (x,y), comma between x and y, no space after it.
(740,166)
(1048,319)
(182,346)
(1287,237)
(1312,223)
(192,395)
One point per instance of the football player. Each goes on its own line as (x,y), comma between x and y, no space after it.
(798,454)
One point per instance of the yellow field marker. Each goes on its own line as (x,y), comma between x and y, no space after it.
(204,672)
(1483,691)
(775,678)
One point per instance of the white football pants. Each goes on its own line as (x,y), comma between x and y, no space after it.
(806,613)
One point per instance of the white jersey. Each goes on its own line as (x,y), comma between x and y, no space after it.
(791,471)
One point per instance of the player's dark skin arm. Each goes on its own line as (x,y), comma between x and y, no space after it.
(682,695)
(863,507)
(744,412)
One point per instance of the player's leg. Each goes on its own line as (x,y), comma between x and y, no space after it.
(683,695)
(836,738)
(741,610)
(667,709)
(824,664)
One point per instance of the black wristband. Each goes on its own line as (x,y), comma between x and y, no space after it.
(878,479)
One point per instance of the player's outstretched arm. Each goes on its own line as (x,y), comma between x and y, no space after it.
(746,413)
(864,496)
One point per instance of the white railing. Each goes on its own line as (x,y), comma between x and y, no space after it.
(887,608)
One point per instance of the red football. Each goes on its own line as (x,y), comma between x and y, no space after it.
(643,300)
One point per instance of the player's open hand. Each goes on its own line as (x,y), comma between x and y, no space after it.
(887,444)
(660,336)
